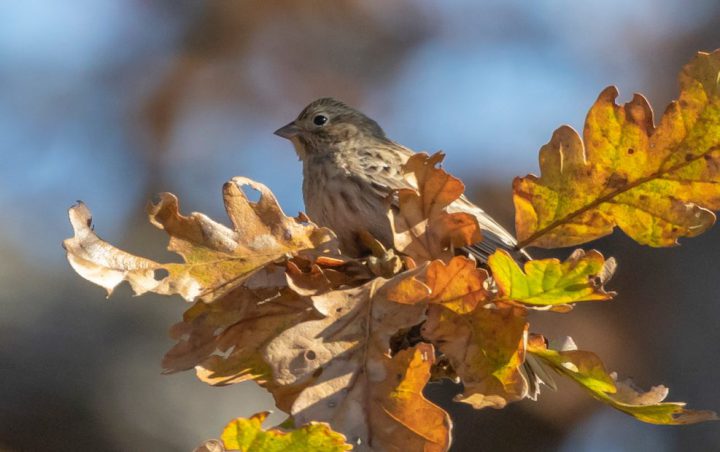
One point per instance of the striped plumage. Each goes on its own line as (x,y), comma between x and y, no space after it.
(349,169)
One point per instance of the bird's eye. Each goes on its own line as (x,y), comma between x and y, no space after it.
(320,120)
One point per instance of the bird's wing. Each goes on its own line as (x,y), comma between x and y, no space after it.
(387,178)
(494,235)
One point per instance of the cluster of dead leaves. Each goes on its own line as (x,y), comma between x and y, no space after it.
(346,346)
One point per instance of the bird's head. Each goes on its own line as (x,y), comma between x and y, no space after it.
(328,125)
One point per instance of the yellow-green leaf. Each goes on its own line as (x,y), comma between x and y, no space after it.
(586,369)
(657,184)
(551,283)
(247,435)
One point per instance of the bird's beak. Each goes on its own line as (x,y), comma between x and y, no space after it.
(288,131)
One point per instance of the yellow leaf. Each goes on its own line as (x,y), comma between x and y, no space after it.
(551,283)
(247,435)
(656,184)
(586,369)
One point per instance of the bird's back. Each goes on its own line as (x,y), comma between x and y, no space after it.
(349,190)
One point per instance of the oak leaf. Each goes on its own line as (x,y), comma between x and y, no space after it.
(338,368)
(247,435)
(484,344)
(549,283)
(586,369)
(423,229)
(217,258)
(657,184)
(224,340)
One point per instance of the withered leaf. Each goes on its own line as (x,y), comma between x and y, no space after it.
(656,184)
(458,285)
(217,258)
(224,340)
(338,369)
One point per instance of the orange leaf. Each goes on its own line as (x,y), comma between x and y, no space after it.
(422,226)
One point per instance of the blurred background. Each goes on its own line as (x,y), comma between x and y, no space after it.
(112,101)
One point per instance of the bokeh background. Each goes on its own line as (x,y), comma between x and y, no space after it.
(112,101)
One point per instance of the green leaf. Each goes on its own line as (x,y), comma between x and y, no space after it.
(586,369)
(248,435)
(551,283)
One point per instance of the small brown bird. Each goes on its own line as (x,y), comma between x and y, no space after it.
(349,169)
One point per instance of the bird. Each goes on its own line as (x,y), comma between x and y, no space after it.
(351,168)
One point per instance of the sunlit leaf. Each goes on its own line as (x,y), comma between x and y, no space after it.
(338,368)
(484,344)
(551,283)
(458,285)
(247,435)
(656,184)
(422,227)
(217,258)
(586,369)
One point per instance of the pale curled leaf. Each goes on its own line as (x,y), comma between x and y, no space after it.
(247,435)
(586,369)
(103,264)
(217,258)
(422,227)
(549,283)
(338,369)
(654,183)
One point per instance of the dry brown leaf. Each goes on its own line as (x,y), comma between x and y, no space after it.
(338,369)
(422,227)
(224,340)
(217,258)
(458,286)
(103,264)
